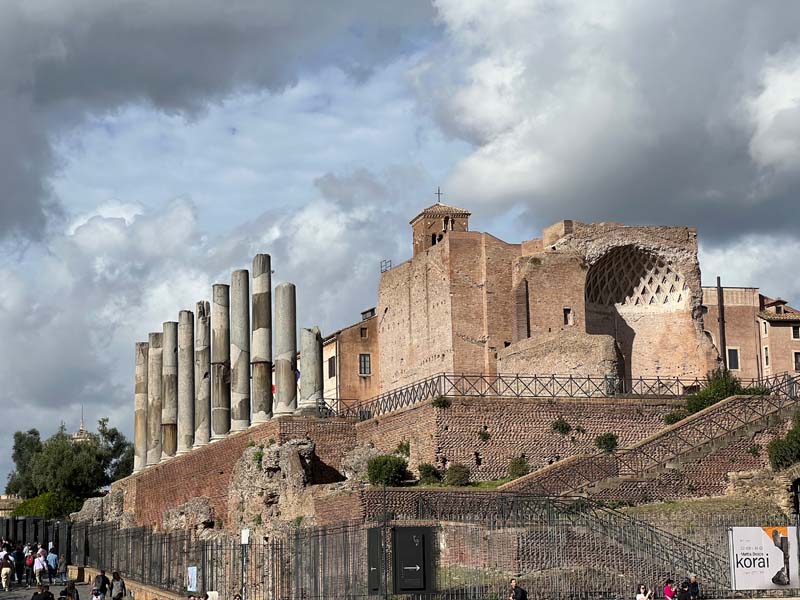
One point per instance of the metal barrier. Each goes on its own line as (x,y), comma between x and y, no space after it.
(565,548)
(532,386)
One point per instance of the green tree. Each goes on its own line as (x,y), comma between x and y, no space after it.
(115,450)
(26,445)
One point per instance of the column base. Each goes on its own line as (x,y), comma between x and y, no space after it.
(239,425)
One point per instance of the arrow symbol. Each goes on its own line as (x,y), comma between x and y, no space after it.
(414,568)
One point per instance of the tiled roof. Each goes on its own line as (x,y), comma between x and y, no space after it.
(441,210)
(771,316)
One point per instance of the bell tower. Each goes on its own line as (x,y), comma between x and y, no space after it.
(430,226)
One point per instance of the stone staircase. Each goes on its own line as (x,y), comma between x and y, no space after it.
(686,441)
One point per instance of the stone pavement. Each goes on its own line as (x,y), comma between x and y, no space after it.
(18,592)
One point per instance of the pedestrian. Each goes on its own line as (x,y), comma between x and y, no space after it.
(52,564)
(6,568)
(39,569)
(39,594)
(683,592)
(70,592)
(117,586)
(694,587)
(62,569)
(101,584)
(516,592)
(29,560)
(644,593)
(669,589)
(19,563)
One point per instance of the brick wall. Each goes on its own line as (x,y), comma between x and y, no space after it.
(207,471)
(524,426)
(416,425)
(414,319)
(514,426)
(741,326)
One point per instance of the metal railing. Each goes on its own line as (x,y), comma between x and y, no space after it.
(557,547)
(529,386)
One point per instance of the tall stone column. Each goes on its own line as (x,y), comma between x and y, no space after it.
(169,390)
(185,381)
(202,374)
(220,361)
(154,405)
(285,349)
(240,350)
(140,408)
(261,351)
(311,381)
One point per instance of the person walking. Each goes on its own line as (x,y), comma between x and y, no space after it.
(101,584)
(62,569)
(516,592)
(70,592)
(694,587)
(669,589)
(6,568)
(19,564)
(644,593)
(52,564)
(118,590)
(39,569)
(29,560)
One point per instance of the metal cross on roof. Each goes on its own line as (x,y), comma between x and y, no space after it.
(438,195)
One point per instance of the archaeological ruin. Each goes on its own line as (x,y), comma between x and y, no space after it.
(477,353)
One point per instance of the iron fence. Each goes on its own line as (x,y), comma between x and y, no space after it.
(534,386)
(561,547)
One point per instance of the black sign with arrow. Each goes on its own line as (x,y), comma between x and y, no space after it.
(412,558)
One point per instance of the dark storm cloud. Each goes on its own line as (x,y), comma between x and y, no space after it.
(62,61)
(644,112)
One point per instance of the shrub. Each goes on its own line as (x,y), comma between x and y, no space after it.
(561,426)
(580,429)
(457,475)
(258,456)
(429,474)
(403,448)
(607,442)
(784,452)
(720,384)
(754,449)
(441,402)
(518,467)
(483,435)
(387,469)
(675,416)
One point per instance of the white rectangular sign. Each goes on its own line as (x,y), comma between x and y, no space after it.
(763,558)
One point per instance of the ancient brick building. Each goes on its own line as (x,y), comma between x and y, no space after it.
(599,299)
(762,334)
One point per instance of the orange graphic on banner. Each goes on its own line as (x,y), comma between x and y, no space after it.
(783,531)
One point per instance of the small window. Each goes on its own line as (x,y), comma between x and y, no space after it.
(779,309)
(733,359)
(568,318)
(766,328)
(331,367)
(797,361)
(364,332)
(364,365)
(433,239)
(766,356)
(796,332)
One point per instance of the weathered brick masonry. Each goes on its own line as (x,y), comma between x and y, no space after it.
(207,471)
(514,426)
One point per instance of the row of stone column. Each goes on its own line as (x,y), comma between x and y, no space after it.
(193,379)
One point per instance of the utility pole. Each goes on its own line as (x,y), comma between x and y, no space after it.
(723,349)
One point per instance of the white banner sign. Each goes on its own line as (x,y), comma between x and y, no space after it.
(763,558)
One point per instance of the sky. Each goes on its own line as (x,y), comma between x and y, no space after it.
(149,148)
